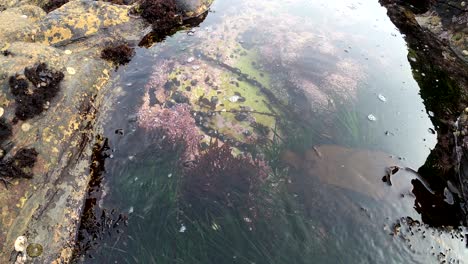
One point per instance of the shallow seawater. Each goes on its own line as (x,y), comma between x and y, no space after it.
(331,85)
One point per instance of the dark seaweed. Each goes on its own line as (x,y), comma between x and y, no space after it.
(18,86)
(162,14)
(25,158)
(31,101)
(5,129)
(96,223)
(14,167)
(6,53)
(119,54)
(53,4)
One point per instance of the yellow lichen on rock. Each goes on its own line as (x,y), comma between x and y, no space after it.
(118,15)
(80,19)
(102,80)
(21,202)
(56,34)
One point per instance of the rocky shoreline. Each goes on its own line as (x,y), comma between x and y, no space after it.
(68,42)
(436,33)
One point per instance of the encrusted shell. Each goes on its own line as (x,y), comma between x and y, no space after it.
(34,250)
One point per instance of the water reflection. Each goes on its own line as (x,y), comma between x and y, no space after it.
(291,85)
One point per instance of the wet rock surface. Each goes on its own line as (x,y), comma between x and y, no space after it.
(53,83)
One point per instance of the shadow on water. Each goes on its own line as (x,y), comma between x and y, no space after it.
(158,36)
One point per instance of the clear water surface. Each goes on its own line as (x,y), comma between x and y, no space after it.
(342,68)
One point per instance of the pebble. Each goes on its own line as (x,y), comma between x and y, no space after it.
(191,59)
(382,98)
(20,243)
(25,127)
(413,59)
(195,67)
(465,52)
(2,111)
(463,4)
(234,98)
(68,52)
(71,70)
(372,117)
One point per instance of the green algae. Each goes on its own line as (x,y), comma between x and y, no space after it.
(254,102)
(177,229)
(248,63)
